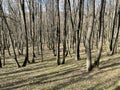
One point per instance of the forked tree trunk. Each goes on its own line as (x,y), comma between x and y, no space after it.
(79,30)
(101,29)
(26,34)
(117,35)
(113,28)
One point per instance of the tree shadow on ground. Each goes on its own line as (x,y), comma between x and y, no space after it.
(83,77)
(110,63)
(46,78)
(40,79)
(112,66)
(117,88)
(26,70)
(39,66)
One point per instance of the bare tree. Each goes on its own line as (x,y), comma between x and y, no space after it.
(58,31)
(79,30)
(65,31)
(89,34)
(113,28)
(9,30)
(118,27)
(22,2)
(101,29)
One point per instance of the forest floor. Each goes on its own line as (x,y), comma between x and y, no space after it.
(48,75)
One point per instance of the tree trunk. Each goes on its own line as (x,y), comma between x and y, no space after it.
(101,29)
(26,34)
(9,30)
(113,28)
(41,43)
(117,35)
(79,30)
(64,32)
(33,30)
(89,35)
(58,32)
(1,42)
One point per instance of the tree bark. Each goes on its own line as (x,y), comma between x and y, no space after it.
(117,35)
(26,34)
(64,32)
(113,28)
(89,35)
(101,28)
(58,32)
(9,30)
(79,30)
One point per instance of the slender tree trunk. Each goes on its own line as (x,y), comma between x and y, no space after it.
(33,30)
(9,30)
(117,35)
(53,29)
(64,32)
(58,32)
(26,34)
(113,28)
(79,30)
(4,47)
(101,28)
(8,48)
(41,42)
(1,42)
(89,35)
